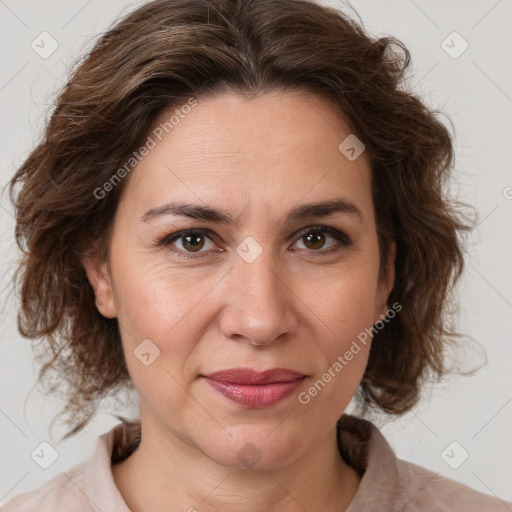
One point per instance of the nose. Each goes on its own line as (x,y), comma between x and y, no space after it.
(260,306)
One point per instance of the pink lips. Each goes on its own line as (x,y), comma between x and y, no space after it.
(255,389)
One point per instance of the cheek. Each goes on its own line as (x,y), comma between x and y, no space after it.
(343,321)
(163,305)
(345,301)
(158,317)
(343,305)
(154,298)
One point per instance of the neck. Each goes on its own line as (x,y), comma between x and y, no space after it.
(166,473)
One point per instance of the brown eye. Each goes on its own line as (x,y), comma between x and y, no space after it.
(316,238)
(193,243)
(189,242)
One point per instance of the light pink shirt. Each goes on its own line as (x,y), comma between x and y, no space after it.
(388,484)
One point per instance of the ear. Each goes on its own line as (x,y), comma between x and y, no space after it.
(101,282)
(385,285)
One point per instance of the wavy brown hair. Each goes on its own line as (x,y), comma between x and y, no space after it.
(154,59)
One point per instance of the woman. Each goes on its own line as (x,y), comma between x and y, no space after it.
(238,211)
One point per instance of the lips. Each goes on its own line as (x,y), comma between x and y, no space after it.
(247,376)
(255,389)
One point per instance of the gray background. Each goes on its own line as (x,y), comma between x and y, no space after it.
(474,90)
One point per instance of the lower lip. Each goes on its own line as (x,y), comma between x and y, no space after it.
(261,395)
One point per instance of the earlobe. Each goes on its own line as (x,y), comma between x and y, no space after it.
(101,283)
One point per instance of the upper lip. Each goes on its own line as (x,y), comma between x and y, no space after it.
(249,376)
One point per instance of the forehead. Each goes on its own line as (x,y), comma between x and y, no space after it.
(277,124)
(269,152)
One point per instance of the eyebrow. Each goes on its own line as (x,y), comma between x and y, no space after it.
(220,216)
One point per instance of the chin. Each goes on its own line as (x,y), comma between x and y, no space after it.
(249,448)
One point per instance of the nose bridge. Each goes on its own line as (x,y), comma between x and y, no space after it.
(260,307)
(263,280)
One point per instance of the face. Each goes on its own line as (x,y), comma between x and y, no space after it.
(219,261)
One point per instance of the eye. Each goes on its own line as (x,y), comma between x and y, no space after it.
(316,237)
(191,241)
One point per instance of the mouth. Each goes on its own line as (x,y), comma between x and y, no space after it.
(255,389)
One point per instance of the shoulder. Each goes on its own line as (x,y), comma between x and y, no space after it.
(61,493)
(422,489)
(89,486)
(391,484)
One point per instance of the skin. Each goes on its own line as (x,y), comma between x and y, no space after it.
(296,306)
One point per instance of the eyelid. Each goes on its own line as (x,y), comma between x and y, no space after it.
(172,237)
(341,236)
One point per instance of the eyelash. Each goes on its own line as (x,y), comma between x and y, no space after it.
(342,238)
